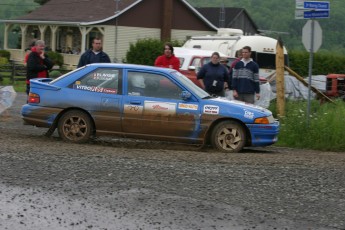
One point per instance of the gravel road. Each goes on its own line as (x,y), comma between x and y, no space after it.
(112,183)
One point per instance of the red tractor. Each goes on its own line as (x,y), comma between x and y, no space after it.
(335,85)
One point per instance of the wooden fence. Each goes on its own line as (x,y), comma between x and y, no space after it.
(16,72)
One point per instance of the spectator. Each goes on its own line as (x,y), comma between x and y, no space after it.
(168,59)
(238,58)
(69,50)
(38,63)
(224,61)
(213,76)
(245,81)
(76,51)
(94,55)
(28,51)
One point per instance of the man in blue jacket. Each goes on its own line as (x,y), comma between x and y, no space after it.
(245,78)
(213,76)
(94,55)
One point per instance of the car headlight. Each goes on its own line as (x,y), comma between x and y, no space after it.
(264,120)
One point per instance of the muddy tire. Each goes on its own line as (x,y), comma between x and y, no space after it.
(75,126)
(228,136)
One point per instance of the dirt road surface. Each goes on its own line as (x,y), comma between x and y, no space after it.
(113,183)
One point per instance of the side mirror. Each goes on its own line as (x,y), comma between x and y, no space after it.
(185,95)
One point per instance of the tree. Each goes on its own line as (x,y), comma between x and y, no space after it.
(41,2)
(145,51)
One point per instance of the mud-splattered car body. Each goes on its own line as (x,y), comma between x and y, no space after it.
(144,102)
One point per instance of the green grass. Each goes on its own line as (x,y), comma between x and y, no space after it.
(19,86)
(325,129)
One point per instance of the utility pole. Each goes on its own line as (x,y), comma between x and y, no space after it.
(222,17)
(280,78)
(116,29)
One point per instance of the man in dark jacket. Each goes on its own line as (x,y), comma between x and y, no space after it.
(213,77)
(94,55)
(38,63)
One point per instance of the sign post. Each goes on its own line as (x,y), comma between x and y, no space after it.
(311,33)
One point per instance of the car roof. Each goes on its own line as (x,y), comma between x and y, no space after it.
(131,66)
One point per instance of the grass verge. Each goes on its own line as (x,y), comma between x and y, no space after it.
(324,130)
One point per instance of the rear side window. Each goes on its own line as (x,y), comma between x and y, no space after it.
(102,80)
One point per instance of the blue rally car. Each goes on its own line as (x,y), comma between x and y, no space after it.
(144,102)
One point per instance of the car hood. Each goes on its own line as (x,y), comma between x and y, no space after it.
(238,109)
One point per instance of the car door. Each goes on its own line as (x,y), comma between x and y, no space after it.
(100,93)
(157,108)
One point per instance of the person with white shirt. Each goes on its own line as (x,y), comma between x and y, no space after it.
(245,78)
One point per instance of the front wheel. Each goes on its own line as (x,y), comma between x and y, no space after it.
(75,126)
(228,136)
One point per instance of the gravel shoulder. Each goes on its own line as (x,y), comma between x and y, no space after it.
(114,183)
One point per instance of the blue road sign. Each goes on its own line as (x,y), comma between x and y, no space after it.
(316,14)
(316,5)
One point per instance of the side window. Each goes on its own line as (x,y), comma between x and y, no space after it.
(152,85)
(181,61)
(136,84)
(197,64)
(102,80)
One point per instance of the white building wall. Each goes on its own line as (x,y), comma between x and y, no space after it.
(126,36)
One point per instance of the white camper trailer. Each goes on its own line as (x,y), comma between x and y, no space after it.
(228,41)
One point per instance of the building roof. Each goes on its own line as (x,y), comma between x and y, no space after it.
(213,15)
(86,12)
(77,10)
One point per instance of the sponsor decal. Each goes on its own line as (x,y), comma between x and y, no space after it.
(94,89)
(103,76)
(211,109)
(188,106)
(133,109)
(248,114)
(160,107)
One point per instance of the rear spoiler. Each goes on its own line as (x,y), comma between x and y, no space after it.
(43,83)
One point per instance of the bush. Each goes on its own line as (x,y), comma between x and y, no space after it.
(56,57)
(5,54)
(323,63)
(3,61)
(55,74)
(145,51)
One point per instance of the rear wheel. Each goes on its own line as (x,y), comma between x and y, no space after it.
(228,136)
(75,126)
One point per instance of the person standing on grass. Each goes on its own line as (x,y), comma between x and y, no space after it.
(38,63)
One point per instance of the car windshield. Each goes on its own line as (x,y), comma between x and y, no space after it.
(190,85)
